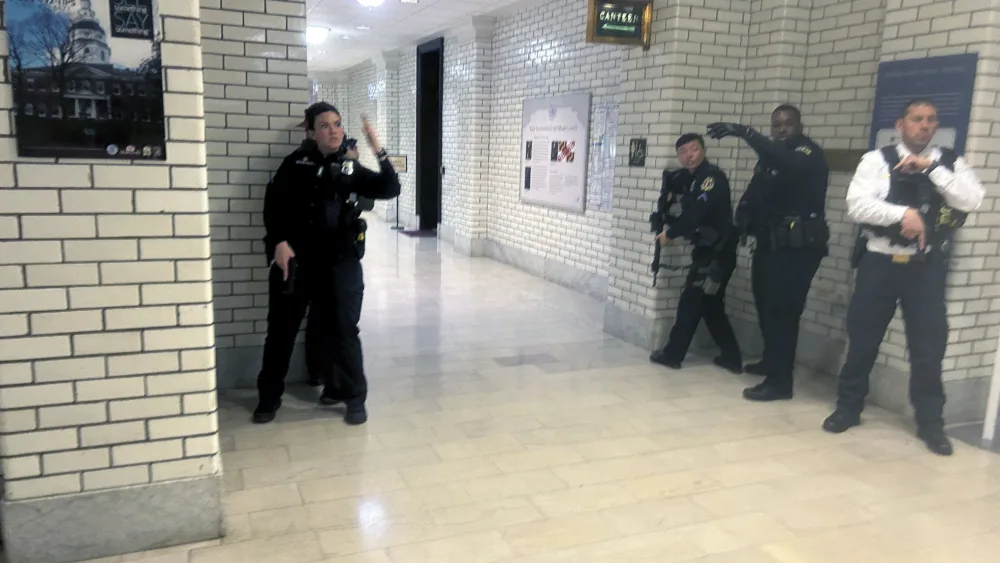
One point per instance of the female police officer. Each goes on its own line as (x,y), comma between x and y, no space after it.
(315,241)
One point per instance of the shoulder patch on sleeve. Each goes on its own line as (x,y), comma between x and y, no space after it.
(707,184)
(804,150)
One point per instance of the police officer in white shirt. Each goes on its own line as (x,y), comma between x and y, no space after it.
(909,200)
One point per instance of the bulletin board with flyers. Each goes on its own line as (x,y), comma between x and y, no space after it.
(555,135)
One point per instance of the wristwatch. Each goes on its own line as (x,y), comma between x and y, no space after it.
(381,154)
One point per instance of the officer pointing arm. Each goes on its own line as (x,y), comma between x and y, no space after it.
(783,208)
(800,157)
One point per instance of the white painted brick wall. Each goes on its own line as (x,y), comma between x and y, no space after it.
(105,286)
(256,90)
(556,61)
(973,304)
(838,93)
(407,91)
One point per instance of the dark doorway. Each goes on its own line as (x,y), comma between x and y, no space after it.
(430,100)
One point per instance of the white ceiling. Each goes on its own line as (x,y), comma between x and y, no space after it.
(393,25)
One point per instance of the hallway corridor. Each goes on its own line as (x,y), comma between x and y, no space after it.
(507,427)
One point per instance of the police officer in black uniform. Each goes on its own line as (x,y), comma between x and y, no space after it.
(909,199)
(319,360)
(315,242)
(706,221)
(783,208)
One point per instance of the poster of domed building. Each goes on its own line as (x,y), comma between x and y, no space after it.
(87,78)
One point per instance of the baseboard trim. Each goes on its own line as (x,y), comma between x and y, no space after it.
(593,285)
(107,523)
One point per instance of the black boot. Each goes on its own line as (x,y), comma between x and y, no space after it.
(264,413)
(755,368)
(733,366)
(841,421)
(331,396)
(766,391)
(660,357)
(356,413)
(936,440)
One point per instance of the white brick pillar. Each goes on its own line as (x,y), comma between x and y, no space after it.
(407,90)
(468,64)
(775,63)
(108,427)
(386,117)
(692,75)
(256,90)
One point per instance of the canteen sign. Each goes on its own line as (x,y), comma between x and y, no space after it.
(625,22)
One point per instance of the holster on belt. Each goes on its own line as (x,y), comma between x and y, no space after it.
(798,232)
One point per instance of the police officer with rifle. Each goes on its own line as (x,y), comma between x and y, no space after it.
(783,209)
(908,199)
(706,222)
(315,239)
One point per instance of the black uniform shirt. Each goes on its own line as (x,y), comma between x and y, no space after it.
(790,179)
(705,201)
(295,200)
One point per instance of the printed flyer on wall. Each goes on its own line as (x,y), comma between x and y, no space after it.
(555,134)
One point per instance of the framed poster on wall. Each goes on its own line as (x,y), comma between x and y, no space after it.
(87,78)
(948,81)
(555,138)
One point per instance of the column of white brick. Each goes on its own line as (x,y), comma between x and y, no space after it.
(106,369)
(838,94)
(106,348)
(468,61)
(692,75)
(341,96)
(407,92)
(386,116)
(916,29)
(775,64)
(256,90)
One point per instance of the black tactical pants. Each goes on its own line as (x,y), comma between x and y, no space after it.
(333,292)
(780,279)
(919,287)
(694,306)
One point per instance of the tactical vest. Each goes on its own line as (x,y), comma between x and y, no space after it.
(919,192)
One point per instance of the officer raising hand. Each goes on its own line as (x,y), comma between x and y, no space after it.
(783,209)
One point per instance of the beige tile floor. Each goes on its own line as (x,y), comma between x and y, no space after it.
(506,427)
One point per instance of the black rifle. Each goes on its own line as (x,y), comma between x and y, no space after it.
(670,193)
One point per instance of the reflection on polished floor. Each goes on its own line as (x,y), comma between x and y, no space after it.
(506,427)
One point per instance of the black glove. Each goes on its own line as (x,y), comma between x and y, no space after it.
(723,130)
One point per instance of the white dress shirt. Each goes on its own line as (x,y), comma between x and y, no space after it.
(866,195)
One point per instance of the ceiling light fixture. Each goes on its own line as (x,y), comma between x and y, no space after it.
(345,36)
(316,34)
(409,1)
(371,3)
(363,27)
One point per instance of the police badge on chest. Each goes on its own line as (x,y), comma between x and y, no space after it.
(347,167)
